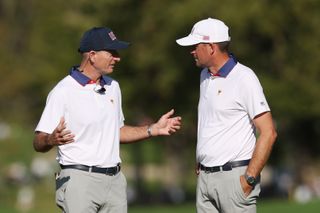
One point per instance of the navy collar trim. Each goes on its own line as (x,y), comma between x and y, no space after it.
(83,79)
(227,67)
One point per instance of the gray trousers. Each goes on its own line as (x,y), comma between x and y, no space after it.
(221,192)
(86,192)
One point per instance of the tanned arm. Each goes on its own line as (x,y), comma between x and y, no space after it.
(264,144)
(166,125)
(43,142)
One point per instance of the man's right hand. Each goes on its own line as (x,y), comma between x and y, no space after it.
(43,142)
(60,136)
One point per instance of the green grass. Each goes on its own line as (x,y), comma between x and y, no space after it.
(278,206)
(272,206)
(44,203)
(269,206)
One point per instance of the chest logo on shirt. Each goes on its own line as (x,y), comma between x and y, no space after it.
(111,100)
(219,92)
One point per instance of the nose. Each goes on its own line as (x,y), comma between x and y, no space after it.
(116,58)
(115,55)
(193,49)
(193,53)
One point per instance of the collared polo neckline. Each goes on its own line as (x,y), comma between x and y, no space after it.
(226,68)
(83,79)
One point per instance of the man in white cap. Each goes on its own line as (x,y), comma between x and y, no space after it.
(231,107)
(83,118)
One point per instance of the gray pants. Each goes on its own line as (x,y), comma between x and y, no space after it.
(85,192)
(221,192)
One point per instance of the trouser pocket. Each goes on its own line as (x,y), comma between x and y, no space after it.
(61,187)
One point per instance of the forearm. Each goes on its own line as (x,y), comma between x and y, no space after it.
(41,142)
(165,126)
(129,134)
(261,153)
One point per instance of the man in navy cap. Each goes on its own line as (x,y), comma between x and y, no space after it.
(83,118)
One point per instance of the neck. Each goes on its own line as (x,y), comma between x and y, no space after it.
(88,70)
(218,63)
(90,74)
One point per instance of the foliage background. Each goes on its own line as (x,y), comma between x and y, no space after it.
(279,40)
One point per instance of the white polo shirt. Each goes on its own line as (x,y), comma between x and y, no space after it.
(227,105)
(95,120)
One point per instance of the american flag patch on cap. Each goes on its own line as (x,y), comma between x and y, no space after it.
(112,36)
(206,38)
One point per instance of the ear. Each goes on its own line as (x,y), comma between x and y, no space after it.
(212,48)
(92,57)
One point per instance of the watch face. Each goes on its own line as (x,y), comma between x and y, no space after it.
(251,180)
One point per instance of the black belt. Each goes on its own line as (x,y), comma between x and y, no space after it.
(107,171)
(226,167)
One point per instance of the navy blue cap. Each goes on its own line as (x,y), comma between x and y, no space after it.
(100,38)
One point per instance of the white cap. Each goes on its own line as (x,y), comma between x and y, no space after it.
(206,31)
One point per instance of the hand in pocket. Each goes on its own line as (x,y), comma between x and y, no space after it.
(246,188)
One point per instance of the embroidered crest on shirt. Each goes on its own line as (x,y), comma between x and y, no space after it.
(219,92)
(262,103)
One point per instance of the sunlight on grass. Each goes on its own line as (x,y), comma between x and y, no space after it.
(43,204)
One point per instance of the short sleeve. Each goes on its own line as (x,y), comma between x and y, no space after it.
(251,95)
(53,111)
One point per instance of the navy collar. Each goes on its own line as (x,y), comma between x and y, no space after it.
(227,67)
(83,79)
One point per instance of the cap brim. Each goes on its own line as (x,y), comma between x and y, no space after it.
(187,41)
(117,45)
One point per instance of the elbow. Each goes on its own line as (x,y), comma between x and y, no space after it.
(274,135)
(35,146)
(42,150)
(37,149)
(38,146)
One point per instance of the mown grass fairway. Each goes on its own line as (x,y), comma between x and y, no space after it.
(270,206)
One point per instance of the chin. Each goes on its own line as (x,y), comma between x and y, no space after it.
(108,71)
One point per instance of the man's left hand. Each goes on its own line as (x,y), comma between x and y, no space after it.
(166,125)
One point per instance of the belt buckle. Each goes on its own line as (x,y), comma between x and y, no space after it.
(207,170)
(226,167)
(112,171)
(109,172)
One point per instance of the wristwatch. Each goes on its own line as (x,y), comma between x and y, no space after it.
(149,131)
(252,181)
